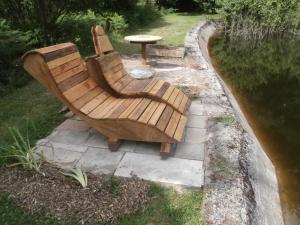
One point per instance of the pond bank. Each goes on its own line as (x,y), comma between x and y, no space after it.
(240,184)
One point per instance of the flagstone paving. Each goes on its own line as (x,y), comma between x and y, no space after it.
(75,144)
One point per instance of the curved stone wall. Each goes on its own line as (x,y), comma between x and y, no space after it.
(240,185)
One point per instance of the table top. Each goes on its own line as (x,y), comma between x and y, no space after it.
(142,38)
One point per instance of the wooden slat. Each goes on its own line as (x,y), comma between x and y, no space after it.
(114,74)
(69,73)
(145,117)
(104,44)
(137,112)
(131,107)
(105,107)
(183,103)
(135,86)
(98,30)
(54,47)
(60,53)
(116,106)
(173,96)
(122,83)
(72,81)
(79,90)
(164,119)
(91,105)
(119,110)
(65,67)
(87,97)
(178,100)
(178,135)
(156,87)
(156,115)
(60,61)
(172,125)
(168,93)
(149,86)
(163,89)
(108,61)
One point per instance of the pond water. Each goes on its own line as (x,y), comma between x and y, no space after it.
(265,79)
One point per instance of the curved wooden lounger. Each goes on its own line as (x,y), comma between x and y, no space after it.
(111,69)
(61,69)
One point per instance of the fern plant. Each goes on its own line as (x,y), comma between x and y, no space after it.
(22,152)
(78,175)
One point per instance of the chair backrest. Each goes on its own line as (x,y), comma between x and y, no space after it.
(61,69)
(113,71)
(102,43)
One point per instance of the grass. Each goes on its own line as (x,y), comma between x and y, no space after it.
(171,27)
(168,207)
(31,109)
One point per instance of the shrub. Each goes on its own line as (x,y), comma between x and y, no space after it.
(255,19)
(13,43)
(208,6)
(76,27)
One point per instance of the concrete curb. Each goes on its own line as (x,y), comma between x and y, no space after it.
(250,195)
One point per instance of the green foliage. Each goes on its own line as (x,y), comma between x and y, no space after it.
(21,151)
(256,19)
(13,43)
(226,120)
(208,6)
(141,15)
(75,27)
(168,207)
(78,175)
(24,107)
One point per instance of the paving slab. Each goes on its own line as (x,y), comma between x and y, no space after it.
(197,121)
(169,171)
(73,124)
(195,135)
(147,148)
(69,147)
(197,108)
(98,140)
(72,137)
(194,151)
(59,156)
(98,160)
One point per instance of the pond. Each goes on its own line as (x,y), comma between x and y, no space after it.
(265,79)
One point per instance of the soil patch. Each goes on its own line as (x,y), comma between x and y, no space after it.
(106,198)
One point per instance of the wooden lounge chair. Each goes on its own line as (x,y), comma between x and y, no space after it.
(61,69)
(109,68)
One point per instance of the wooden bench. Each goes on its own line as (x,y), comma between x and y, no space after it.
(110,68)
(61,69)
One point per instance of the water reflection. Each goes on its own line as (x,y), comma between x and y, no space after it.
(265,78)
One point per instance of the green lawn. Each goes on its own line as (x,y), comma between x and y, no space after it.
(171,27)
(30,108)
(35,111)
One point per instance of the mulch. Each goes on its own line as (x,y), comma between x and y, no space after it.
(105,199)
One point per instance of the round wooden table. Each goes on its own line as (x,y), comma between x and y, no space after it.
(143,40)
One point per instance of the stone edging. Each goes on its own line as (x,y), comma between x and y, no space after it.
(240,184)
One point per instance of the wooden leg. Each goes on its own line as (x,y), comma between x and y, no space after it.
(113,144)
(144,54)
(166,149)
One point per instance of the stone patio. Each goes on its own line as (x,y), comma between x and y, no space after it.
(74,143)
